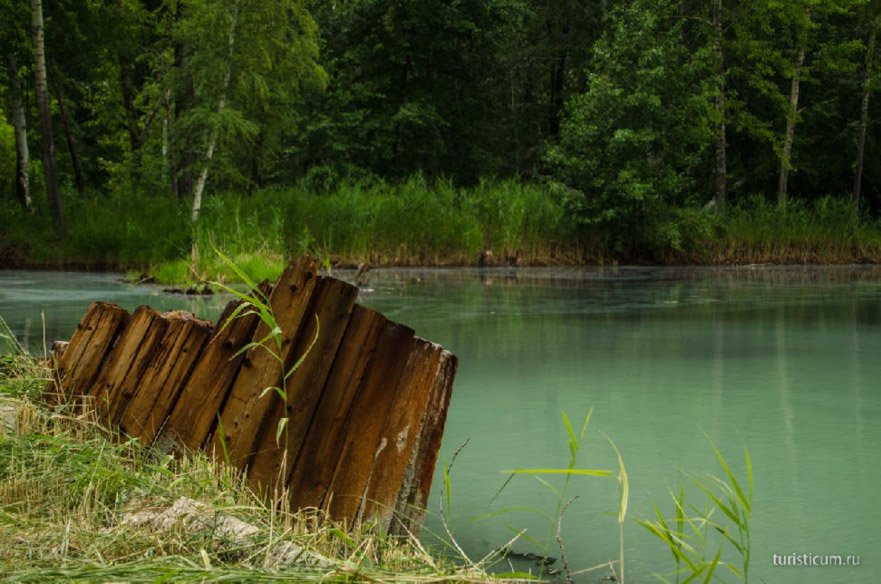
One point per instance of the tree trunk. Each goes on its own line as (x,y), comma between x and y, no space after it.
(166,138)
(791,116)
(180,148)
(136,136)
(557,78)
(42,89)
(212,139)
(69,137)
(128,103)
(721,143)
(864,121)
(256,155)
(19,124)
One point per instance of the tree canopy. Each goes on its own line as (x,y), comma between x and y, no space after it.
(634,106)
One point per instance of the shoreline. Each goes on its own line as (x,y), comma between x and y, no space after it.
(793,259)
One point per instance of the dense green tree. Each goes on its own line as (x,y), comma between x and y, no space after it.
(872,20)
(238,60)
(407,88)
(641,106)
(781,46)
(637,139)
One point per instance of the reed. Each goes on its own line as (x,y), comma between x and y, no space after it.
(701,539)
(416,222)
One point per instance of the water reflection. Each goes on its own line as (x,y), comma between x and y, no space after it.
(63,297)
(783,361)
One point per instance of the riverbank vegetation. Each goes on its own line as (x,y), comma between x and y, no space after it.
(78,505)
(427,132)
(418,222)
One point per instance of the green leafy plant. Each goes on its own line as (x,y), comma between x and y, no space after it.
(690,534)
(255,301)
(575,442)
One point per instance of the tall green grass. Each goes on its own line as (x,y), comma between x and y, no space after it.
(418,222)
(827,231)
(712,538)
(412,222)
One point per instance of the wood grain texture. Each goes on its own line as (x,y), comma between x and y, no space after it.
(394,467)
(132,353)
(325,323)
(164,377)
(87,349)
(194,415)
(363,426)
(313,468)
(245,411)
(412,499)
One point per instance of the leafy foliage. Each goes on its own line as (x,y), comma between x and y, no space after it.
(634,143)
(611,107)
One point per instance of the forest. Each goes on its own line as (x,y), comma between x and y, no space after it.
(139,133)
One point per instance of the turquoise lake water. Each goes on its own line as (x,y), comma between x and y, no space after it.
(783,361)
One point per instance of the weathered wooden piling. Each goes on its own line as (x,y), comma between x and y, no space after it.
(338,407)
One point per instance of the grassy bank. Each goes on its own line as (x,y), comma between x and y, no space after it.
(77,504)
(418,222)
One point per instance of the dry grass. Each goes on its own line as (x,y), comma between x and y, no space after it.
(78,503)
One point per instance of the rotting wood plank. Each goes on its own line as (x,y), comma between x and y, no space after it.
(55,390)
(390,469)
(132,352)
(245,410)
(313,468)
(364,411)
(105,334)
(413,497)
(164,377)
(365,422)
(194,415)
(273,459)
(89,344)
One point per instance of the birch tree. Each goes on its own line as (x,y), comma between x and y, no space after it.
(19,125)
(721,174)
(14,44)
(874,23)
(212,139)
(237,57)
(50,170)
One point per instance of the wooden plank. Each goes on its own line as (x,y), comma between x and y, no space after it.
(245,410)
(273,459)
(164,377)
(313,469)
(194,415)
(413,497)
(401,432)
(84,329)
(83,372)
(128,358)
(364,412)
(58,389)
(365,422)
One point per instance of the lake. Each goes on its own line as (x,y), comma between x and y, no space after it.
(783,361)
